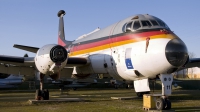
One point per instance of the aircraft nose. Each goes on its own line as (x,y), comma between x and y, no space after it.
(176,52)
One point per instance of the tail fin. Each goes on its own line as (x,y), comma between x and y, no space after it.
(61,33)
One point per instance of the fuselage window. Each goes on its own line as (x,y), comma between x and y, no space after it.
(128,26)
(136,25)
(146,23)
(154,22)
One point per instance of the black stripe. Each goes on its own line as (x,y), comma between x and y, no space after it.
(117,35)
(12,59)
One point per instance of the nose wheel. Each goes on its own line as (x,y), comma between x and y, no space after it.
(163,104)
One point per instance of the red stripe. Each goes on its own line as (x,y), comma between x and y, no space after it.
(60,42)
(90,45)
(134,36)
(116,39)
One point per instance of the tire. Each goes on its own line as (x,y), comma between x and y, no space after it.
(168,104)
(37,94)
(116,86)
(46,94)
(127,87)
(160,104)
(74,88)
(139,94)
(148,92)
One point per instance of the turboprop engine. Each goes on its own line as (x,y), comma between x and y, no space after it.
(50,59)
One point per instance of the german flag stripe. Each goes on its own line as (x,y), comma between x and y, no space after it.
(114,41)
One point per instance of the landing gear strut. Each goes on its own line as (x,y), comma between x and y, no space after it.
(164,103)
(42,94)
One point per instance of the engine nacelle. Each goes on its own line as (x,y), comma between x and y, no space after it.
(50,59)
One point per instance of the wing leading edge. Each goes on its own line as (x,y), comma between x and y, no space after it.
(17,65)
(26,65)
(193,62)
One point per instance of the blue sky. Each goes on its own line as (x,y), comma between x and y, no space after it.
(35,22)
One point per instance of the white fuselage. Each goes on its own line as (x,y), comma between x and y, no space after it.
(128,54)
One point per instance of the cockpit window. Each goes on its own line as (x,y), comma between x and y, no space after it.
(154,22)
(128,26)
(136,25)
(146,23)
(162,23)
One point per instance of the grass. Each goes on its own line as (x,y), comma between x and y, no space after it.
(96,100)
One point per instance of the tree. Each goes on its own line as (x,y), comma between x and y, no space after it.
(191,55)
(26,55)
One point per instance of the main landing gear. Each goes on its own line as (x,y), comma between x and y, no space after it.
(42,94)
(163,103)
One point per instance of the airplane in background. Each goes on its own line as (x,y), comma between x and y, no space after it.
(10,81)
(138,48)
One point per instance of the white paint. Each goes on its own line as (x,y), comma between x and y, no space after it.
(141,85)
(166,80)
(149,64)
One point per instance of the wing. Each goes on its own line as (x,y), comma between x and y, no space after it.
(17,65)
(193,62)
(26,65)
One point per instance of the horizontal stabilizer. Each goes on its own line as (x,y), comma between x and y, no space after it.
(26,48)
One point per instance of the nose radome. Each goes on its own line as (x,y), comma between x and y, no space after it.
(176,52)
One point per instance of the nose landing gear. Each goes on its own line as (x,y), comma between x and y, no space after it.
(164,103)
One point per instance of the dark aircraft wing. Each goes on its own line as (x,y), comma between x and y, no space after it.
(15,60)
(193,62)
(17,65)
(26,65)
